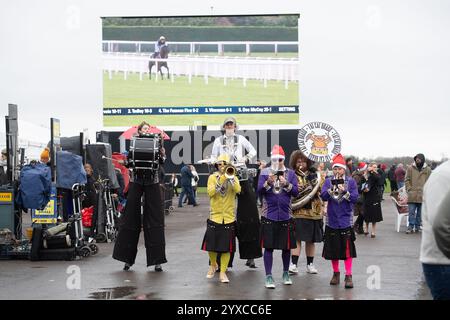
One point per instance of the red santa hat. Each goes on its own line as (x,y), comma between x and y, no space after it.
(362,166)
(277,152)
(339,161)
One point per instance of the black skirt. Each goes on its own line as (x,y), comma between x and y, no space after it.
(247,223)
(335,244)
(278,235)
(219,237)
(372,212)
(309,230)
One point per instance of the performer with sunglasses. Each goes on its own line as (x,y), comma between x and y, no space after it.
(220,236)
(341,192)
(277,185)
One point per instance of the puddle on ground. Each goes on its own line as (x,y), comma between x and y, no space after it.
(146,296)
(112,293)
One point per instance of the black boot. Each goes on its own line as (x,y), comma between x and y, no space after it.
(127,267)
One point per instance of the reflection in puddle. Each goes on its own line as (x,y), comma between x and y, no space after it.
(146,296)
(112,293)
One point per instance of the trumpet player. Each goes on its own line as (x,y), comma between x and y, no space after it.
(277,185)
(306,210)
(220,235)
(341,192)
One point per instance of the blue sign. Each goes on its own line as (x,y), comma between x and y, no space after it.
(133,111)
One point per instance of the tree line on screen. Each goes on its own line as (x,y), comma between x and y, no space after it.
(253,21)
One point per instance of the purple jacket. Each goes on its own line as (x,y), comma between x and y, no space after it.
(277,207)
(340,214)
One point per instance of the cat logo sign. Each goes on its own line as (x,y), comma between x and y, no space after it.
(319,141)
(5,197)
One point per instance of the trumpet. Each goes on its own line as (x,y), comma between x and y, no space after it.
(277,188)
(230,172)
(336,193)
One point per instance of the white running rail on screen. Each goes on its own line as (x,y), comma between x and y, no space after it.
(226,68)
(195,46)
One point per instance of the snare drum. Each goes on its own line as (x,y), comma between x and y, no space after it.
(144,153)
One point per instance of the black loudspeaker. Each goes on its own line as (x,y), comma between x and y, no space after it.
(99,157)
(103,136)
(71,144)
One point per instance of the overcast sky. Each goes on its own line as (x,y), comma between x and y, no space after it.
(378,71)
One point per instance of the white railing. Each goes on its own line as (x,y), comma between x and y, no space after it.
(194,46)
(217,67)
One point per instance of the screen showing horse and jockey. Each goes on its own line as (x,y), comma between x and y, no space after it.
(185,71)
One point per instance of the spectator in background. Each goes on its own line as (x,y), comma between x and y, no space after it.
(358,209)
(325,172)
(417,175)
(372,203)
(3,168)
(194,181)
(174,182)
(382,180)
(186,185)
(435,247)
(400,176)
(261,165)
(350,168)
(194,184)
(119,193)
(433,165)
(45,156)
(391,177)
(90,199)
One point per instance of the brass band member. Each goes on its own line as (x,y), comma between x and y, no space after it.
(144,182)
(341,192)
(306,210)
(220,236)
(241,151)
(277,185)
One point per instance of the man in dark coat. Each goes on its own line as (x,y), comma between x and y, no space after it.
(186,185)
(391,177)
(381,180)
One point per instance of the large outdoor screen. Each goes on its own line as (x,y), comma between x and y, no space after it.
(190,71)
